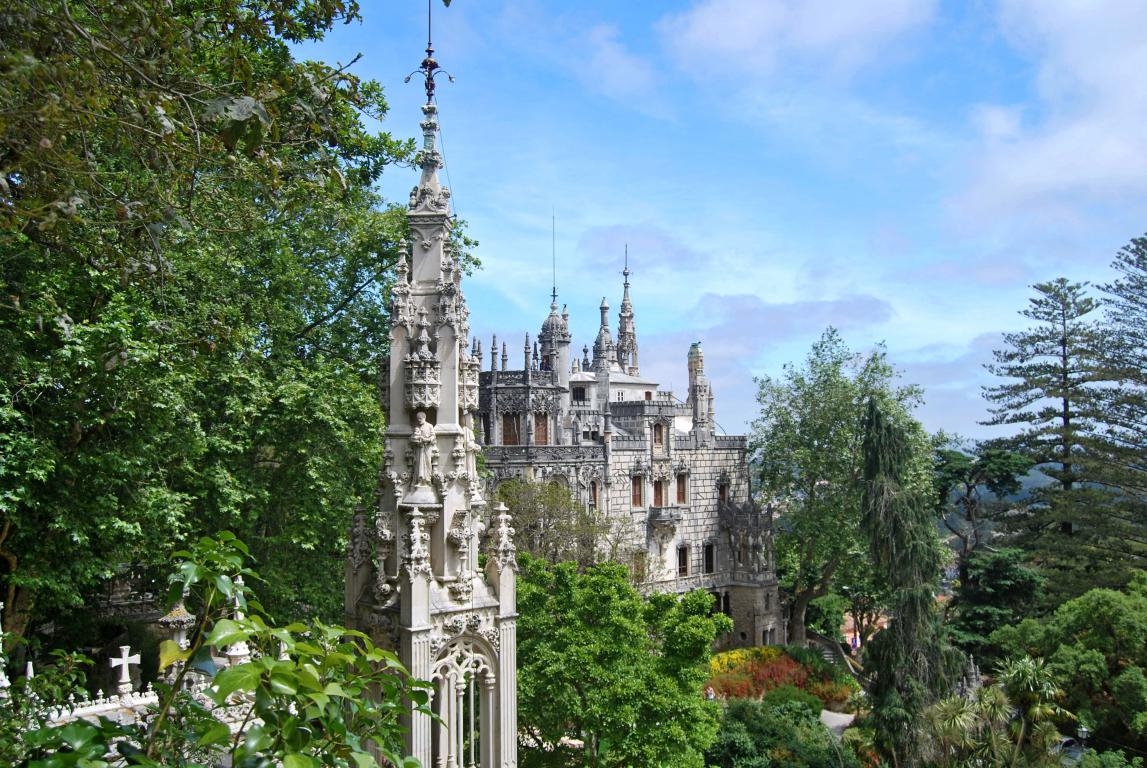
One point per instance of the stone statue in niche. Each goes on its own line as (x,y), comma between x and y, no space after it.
(423,441)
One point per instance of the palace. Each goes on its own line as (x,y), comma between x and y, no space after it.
(673,492)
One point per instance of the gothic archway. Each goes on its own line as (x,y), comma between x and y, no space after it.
(465,701)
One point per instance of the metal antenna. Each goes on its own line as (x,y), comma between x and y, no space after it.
(429,67)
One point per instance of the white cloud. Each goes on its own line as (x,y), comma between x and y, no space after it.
(1085,142)
(605,65)
(760,36)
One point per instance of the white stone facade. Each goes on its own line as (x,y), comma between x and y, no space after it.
(675,494)
(413,581)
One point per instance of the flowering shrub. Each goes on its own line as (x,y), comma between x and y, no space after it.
(750,673)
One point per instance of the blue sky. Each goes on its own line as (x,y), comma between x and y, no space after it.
(901,169)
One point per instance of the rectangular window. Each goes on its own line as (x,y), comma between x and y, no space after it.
(723,493)
(541,429)
(579,394)
(683,560)
(659,434)
(710,558)
(659,493)
(638,491)
(682,481)
(510,433)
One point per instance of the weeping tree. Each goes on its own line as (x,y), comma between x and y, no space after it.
(909,663)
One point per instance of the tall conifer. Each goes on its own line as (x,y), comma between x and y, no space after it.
(909,663)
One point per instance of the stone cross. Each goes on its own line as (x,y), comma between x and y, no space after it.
(124,662)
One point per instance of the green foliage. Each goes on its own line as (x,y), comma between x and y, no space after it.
(787,734)
(1114,758)
(620,674)
(193,268)
(549,523)
(826,615)
(962,476)
(807,443)
(1070,387)
(1096,652)
(1010,722)
(312,694)
(908,664)
(996,589)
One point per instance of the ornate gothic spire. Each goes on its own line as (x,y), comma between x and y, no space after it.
(626,329)
(429,196)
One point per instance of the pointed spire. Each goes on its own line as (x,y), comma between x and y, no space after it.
(626,328)
(429,196)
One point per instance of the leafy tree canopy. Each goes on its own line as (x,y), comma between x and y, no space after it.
(807,443)
(619,674)
(1095,649)
(193,269)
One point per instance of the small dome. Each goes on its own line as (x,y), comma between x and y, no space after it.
(555,326)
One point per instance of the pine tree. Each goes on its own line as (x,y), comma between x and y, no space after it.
(1054,367)
(1055,392)
(1124,413)
(909,663)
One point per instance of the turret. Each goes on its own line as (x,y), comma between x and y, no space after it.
(603,349)
(700,395)
(554,342)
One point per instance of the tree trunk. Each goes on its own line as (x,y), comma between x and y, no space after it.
(17,615)
(798,633)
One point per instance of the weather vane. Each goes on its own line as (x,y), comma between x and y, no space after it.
(429,68)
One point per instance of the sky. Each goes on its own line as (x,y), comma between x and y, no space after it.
(902,170)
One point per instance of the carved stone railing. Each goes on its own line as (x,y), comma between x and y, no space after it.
(502,454)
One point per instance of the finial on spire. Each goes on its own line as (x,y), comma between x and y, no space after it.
(626,270)
(429,67)
(554,256)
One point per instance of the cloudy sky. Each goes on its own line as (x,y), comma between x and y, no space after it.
(903,170)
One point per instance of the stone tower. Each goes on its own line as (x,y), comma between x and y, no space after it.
(413,580)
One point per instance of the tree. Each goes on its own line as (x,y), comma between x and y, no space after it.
(1054,366)
(311,695)
(1009,722)
(1119,467)
(1055,370)
(962,475)
(608,678)
(908,664)
(1094,645)
(550,524)
(807,443)
(194,268)
(997,589)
